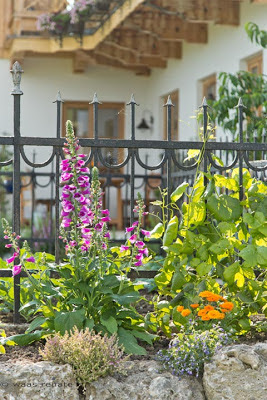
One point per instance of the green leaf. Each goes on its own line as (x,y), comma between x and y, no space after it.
(192,153)
(110,323)
(194,214)
(89,323)
(126,299)
(249,254)
(244,323)
(129,342)
(157,232)
(38,321)
(2,349)
(178,281)
(224,208)
(65,321)
(179,191)
(262,255)
(23,339)
(171,231)
(145,336)
(220,246)
(203,269)
(230,272)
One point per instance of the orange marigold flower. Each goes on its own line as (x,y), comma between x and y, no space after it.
(214,297)
(180,308)
(208,307)
(205,318)
(214,314)
(224,311)
(227,305)
(206,293)
(194,305)
(202,312)
(186,312)
(221,316)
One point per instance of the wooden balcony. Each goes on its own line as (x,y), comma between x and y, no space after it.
(135,35)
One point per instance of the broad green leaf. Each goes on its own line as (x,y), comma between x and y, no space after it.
(194,214)
(224,208)
(230,272)
(224,182)
(24,339)
(249,254)
(244,323)
(129,342)
(179,191)
(145,336)
(38,321)
(171,232)
(157,231)
(66,321)
(178,281)
(262,255)
(192,153)
(110,323)
(89,323)
(220,246)
(227,228)
(217,159)
(203,269)
(126,299)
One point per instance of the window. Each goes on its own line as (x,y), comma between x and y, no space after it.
(175,115)
(254,64)
(110,123)
(209,87)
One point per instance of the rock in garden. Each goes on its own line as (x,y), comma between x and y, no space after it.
(238,372)
(37,381)
(144,381)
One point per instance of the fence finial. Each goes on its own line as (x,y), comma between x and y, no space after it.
(58,98)
(95,100)
(132,101)
(16,72)
(169,102)
(240,103)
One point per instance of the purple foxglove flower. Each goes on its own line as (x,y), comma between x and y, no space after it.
(136,223)
(133,239)
(139,256)
(124,248)
(6,237)
(81,156)
(72,188)
(83,181)
(79,164)
(73,243)
(66,177)
(86,191)
(85,170)
(138,263)
(66,151)
(130,229)
(99,226)
(16,270)
(105,219)
(139,244)
(31,259)
(87,242)
(86,230)
(64,213)
(68,207)
(11,259)
(83,248)
(145,233)
(8,246)
(145,213)
(104,246)
(66,222)
(16,253)
(143,251)
(65,196)
(105,212)
(65,168)
(107,235)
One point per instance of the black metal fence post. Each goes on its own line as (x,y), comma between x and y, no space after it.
(16,92)
(240,107)
(132,103)
(169,106)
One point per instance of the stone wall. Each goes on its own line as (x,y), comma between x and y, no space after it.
(237,372)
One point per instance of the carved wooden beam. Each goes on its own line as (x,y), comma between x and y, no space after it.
(81,61)
(102,58)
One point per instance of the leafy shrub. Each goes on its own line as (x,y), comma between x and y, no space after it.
(91,355)
(214,242)
(189,350)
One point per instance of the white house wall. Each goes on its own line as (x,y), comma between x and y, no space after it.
(43,77)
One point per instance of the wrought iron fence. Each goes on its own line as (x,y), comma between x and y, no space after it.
(170,171)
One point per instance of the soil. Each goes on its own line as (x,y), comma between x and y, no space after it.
(30,353)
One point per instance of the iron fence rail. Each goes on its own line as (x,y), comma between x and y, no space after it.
(170,163)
